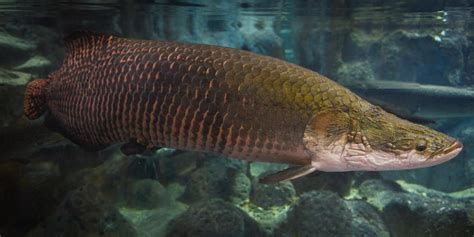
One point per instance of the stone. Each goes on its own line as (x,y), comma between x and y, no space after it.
(240,188)
(37,65)
(469,74)
(411,215)
(338,182)
(214,218)
(407,56)
(317,213)
(212,179)
(366,220)
(154,221)
(147,194)
(270,195)
(84,212)
(13,78)
(413,210)
(12,86)
(355,75)
(14,50)
(260,37)
(257,169)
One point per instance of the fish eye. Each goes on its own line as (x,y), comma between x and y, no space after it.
(421,145)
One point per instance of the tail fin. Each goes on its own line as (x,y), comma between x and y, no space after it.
(34,101)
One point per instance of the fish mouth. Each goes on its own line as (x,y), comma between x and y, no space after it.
(455,146)
(451,151)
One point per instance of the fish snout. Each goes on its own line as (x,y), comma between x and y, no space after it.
(454,149)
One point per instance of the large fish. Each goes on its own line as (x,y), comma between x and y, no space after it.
(149,94)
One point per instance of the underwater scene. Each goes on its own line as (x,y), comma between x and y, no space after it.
(237,118)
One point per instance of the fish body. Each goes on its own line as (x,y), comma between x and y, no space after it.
(221,100)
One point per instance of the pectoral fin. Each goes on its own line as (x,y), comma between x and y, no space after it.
(287,174)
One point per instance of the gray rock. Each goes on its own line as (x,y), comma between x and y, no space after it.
(85,213)
(214,218)
(259,168)
(212,179)
(260,37)
(405,56)
(411,215)
(269,195)
(374,187)
(12,85)
(317,214)
(469,75)
(241,187)
(366,220)
(154,222)
(356,74)
(339,182)
(13,78)
(147,193)
(14,50)
(419,212)
(35,65)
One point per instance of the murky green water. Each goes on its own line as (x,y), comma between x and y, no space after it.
(414,58)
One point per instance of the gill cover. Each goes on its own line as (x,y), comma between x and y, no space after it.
(327,128)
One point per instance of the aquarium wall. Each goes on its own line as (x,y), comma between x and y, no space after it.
(412,58)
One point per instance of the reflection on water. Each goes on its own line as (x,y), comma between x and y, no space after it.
(414,58)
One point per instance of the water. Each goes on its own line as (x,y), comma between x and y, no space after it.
(414,59)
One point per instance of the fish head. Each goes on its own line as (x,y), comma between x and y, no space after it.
(407,144)
(375,140)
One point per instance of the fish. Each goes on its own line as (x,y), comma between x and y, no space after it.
(148,94)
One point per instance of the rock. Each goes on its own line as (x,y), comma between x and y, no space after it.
(178,164)
(469,75)
(241,187)
(13,78)
(212,179)
(317,213)
(259,168)
(406,56)
(356,74)
(339,182)
(153,222)
(85,213)
(147,194)
(214,218)
(366,220)
(37,65)
(373,187)
(418,212)
(14,50)
(12,85)
(260,37)
(410,215)
(269,195)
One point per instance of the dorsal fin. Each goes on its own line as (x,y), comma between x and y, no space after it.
(82,44)
(84,38)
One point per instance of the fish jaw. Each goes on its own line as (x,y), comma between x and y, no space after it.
(345,158)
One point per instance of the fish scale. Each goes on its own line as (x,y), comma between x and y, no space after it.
(193,97)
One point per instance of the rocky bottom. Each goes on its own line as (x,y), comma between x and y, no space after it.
(67,192)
